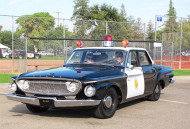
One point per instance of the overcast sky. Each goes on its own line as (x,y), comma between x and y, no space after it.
(144,9)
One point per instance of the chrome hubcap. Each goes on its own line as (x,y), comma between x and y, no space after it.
(107,101)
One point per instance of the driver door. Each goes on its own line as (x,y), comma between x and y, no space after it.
(135,79)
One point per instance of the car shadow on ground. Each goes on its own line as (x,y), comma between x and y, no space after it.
(21,110)
(131,103)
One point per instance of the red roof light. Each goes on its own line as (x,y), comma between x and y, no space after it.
(108,38)
(79,43)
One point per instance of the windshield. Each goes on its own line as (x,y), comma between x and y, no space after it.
(102,57)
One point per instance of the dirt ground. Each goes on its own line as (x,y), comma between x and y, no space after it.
(6,65)
(170,112)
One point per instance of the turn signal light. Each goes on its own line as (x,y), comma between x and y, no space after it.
(125,43)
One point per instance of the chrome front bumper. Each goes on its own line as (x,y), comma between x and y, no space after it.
(57,103)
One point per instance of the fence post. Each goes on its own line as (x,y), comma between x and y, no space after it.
(155,27)
(12,43)
(64,40)
(106,28)
(26,53)
(172,55)
(162,48)
(180,44)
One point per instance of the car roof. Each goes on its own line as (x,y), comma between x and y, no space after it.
(110,48)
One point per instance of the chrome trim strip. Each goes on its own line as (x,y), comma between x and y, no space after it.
(57,103)
(171,80)
(134,75)
(46,78)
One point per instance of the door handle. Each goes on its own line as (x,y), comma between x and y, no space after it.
(153,68)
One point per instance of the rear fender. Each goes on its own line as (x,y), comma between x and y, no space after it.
(164,76)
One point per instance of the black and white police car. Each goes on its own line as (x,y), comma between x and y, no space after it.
(99,77)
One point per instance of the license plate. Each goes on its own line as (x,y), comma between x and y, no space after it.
(46,102)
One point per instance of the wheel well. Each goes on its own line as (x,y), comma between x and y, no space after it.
(162,84)
(117,89)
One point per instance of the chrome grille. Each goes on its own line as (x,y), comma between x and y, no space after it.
(43,87)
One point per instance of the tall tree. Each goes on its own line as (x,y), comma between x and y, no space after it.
(107,13)
(150,30)
(81,12)
(171,25)
(123,13)
(34,26)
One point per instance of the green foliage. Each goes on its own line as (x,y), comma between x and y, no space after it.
(6,38)
(81,10)
(186,34)
(32,27)
(1,27)
(131,29)
(159,35)
(104,13)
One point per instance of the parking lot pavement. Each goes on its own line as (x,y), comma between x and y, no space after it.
(172,111)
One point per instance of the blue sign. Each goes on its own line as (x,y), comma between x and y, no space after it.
(159,18)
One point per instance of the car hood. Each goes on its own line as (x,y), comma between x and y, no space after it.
(84,73)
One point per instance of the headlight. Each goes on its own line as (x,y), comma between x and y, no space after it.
(12,87)
(72,86)
(23,84)
(89,91)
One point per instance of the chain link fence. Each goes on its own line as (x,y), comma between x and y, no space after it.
(179,55)
(28,55)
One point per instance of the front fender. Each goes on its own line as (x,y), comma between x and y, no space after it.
(102,88)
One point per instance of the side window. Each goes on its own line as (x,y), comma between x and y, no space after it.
(132,60)
(143,58)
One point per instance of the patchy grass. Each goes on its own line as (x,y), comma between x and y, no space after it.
(6,78)
(181,72)
(51,58)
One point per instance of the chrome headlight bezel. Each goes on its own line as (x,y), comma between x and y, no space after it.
(12,87)
(73,87)
(89,91)
(23,85)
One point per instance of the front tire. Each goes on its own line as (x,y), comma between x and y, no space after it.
(108,105)
(156,94)
(36,109)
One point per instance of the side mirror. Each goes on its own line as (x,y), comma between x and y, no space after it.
(131,67)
